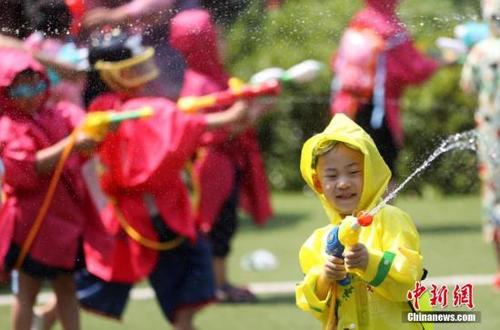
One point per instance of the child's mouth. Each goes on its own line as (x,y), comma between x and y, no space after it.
(346,196)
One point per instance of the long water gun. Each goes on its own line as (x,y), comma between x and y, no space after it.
(95,125)
(346,235)
(266,82)
(229,96)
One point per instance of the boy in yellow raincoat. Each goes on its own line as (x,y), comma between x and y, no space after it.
(344,168)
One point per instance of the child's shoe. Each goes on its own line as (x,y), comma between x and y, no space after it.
(232,294)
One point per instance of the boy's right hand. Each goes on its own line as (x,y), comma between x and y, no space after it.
(334,269)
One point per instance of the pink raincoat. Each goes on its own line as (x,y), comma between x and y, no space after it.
(193,34)
(71,218)
(145,157)
(405,64)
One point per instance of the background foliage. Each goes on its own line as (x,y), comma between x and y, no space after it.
(312,29)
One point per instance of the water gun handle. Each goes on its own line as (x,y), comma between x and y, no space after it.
(227,97)
(96,124)
(335,248)
(346,234)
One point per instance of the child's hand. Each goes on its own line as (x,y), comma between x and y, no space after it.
(335,269)
(356,257)
(85,144)
(259,107)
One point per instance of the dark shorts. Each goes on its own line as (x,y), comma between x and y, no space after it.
(36,269)
(226,224)
(381,136)
(182,278)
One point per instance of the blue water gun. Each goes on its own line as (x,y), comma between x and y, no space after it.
(346,235)
(335,248)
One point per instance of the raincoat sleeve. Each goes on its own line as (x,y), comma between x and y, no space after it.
(394,269)
(18,153)
(311,263)
(410,66)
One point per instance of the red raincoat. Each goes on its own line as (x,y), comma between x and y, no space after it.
(193,34)
(405,64)
(71,218)
(145,157)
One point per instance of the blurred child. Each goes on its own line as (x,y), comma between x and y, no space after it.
(344,168)
(228,170)
(32,138)
(481,75)
(50,21)
(376,62)
(149,213)
(2,173)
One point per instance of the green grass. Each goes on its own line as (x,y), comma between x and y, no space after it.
(451,244)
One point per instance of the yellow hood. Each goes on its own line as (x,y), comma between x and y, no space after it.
(376,172)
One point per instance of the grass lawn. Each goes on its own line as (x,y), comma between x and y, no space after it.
(451,244)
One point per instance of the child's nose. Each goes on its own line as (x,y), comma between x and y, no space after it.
(343,183)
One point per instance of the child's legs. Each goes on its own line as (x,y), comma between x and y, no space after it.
(222,234)
(25,298)
(496,244)
(47,313)
(382,137)
(183,282)
(67,304)
(184,318)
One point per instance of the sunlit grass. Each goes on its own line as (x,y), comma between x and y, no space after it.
(451,244)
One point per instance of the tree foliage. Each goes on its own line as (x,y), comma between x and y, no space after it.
(311,29)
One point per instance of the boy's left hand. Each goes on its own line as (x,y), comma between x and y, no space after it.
(356,257)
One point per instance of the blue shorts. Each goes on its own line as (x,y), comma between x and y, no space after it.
(226,224)
(37,269)
(183,277)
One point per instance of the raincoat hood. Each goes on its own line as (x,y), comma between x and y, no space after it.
(385,6)
(193,33)
(376,173)
(14,61)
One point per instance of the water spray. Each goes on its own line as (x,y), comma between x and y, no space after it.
(346,234)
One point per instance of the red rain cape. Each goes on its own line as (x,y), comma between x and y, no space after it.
(193,34)
(71,218)
(142,157)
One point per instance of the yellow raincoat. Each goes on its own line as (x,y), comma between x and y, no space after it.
(377,297)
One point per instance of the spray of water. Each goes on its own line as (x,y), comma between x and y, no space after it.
(461,141)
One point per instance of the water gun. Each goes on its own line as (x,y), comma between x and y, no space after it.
(466,36)
(300,73)
(346,235)
(264,83)
(96,124)
(229,96)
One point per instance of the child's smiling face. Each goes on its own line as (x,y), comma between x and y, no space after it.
(340,176)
